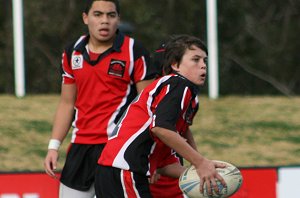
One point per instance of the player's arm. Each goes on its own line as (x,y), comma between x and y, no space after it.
(206,169)
(65,112)
(62,122)
(172,170)
(190,139)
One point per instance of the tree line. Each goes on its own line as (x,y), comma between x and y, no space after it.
(258,40)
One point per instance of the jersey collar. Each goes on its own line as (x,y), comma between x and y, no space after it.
(116,45)
(81,47)
(195,88)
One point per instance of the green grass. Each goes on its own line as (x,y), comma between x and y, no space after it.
(246,131)
(25,127)
(250,131)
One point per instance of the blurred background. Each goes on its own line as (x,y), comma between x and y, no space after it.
(258,40)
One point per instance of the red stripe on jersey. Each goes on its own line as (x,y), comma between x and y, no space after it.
(128,183)
(141,72)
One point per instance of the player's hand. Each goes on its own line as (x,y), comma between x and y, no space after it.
(220,178)
(50,162)
(209,175)
(154,178)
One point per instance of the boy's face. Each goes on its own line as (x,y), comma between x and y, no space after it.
(102,21)
(193,65)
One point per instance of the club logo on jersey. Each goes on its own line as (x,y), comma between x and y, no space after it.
(116,67)
(77,61)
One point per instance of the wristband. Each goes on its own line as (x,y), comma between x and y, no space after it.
(54,144)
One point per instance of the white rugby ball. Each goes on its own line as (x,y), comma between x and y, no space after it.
(189,182)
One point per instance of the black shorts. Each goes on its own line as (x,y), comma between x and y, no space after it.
(113,182)
(79,169)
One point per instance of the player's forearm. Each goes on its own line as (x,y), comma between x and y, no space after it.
(179,144)
(65,112)
(62,122)
(172,170)
(190,139)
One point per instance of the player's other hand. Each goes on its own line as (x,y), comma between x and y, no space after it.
(50,162)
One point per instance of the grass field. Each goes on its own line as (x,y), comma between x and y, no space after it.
(246,131)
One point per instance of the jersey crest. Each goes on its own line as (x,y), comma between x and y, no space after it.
(116,67)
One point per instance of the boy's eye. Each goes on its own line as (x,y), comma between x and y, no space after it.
(97,13)
(112,15)
(205,60)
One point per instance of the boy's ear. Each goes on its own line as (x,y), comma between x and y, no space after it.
(175,67)
(84,18)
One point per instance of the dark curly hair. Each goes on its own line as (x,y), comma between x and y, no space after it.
(176,47)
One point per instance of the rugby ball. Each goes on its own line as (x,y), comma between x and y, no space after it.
(189,182)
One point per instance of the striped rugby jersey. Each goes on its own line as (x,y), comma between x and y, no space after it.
(105,87)
(169,102)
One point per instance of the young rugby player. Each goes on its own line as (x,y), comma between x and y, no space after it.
(155,125)
(102,73)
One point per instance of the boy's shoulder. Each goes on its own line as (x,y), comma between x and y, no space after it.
(71,44)
(179,81)
(79,43)
(173,81)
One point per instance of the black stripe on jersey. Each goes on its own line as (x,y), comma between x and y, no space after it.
(136,153)
(169,108)
(138,52)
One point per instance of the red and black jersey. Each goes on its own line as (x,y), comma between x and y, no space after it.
(105,86)
(169,102)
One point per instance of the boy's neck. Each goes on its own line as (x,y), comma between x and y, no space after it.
(100,46)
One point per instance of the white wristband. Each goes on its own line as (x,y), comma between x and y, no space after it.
(54,144)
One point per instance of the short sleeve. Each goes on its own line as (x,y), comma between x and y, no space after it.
(67,72)
(170,107)
(143,68)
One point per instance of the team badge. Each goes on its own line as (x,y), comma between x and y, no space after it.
(77,61)
(116,67)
